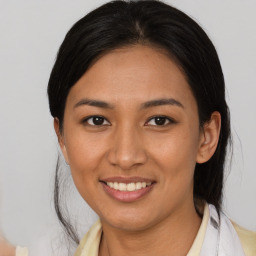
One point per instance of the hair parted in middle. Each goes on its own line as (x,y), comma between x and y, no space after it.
(158,25)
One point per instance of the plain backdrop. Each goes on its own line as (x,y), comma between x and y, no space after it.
(30,33)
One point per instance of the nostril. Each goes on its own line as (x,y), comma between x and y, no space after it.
(127,159)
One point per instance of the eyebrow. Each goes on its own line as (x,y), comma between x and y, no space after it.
(94,103)
(148,104)
(160,102)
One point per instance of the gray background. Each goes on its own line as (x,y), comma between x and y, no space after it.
(30,34)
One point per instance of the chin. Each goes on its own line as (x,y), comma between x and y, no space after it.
(132,222)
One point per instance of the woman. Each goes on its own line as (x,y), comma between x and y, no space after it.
(138,99)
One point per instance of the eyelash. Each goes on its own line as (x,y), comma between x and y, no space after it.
(170,121)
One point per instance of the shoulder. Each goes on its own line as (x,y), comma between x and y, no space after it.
(247,238)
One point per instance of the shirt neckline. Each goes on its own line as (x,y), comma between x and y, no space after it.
(89,245)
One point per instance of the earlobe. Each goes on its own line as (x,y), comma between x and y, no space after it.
(209,138)
(60,138)
(56,124)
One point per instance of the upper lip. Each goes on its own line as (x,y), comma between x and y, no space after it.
(127,180)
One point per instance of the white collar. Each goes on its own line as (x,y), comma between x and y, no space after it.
(221,238)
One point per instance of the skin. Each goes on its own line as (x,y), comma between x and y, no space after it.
(6,249)
(131,143)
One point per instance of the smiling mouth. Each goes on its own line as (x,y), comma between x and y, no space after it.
(127,189)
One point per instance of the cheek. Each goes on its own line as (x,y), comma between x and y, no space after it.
(175,153)
(85,153)
(175,159)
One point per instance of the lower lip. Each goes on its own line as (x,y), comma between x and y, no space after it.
(127,196)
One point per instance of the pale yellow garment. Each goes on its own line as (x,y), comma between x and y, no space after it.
(21,251)
(89,245)
(247,238)
(198,242)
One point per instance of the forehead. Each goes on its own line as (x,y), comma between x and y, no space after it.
(132,75)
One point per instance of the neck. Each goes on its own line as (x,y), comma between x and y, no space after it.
(172,236)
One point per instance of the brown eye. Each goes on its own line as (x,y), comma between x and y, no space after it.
(96,121)
(159,121)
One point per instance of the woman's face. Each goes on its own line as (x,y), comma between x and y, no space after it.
(132,121)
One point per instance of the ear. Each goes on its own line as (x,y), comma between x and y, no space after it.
(60,139)
(209,138)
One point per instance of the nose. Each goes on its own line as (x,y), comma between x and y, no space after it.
(127,149)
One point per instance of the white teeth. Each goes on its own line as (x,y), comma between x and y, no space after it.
(131,186)
(138,185)
(115,186)
(122,187)
(128,187)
